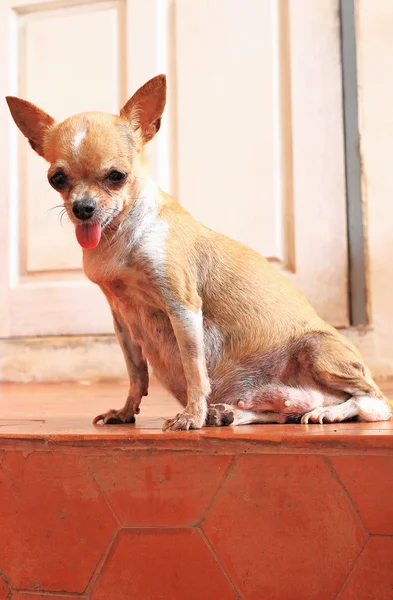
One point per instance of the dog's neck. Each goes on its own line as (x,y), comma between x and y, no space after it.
(130,226)
(127,238)
(144,212)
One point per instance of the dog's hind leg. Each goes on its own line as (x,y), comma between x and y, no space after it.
(336,367)
(366,408)
(221,415)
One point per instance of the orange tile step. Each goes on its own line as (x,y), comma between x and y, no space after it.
(257,512)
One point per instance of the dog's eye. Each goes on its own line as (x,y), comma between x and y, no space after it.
(58,180)
(116,176)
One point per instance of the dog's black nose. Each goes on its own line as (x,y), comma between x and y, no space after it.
(84,209)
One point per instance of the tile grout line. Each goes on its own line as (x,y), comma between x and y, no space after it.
(106,552)
(7,583)
(214,554)
(224,479)
(336,477)
(97,570)
(199,525)
(351,570)
(89,468)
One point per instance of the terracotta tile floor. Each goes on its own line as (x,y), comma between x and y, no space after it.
(264,512)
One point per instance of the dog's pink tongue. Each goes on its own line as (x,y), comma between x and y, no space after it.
(88,235)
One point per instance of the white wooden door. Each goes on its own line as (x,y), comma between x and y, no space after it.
(252,142)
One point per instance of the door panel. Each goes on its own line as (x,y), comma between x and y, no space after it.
(260,149)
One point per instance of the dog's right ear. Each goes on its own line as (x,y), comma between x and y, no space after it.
(144,110)
(33,122)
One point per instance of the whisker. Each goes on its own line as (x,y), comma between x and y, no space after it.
(61,217)
(54,208)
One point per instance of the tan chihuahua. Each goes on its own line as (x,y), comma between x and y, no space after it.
(224,332)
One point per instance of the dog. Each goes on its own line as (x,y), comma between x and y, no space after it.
(223,331)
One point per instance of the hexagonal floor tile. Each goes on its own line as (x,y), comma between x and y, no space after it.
(4,591)
(165,564)
(160,489)
(283,528)
(54,522)
(369,481)
(372,577)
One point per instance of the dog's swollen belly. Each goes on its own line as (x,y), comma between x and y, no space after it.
(318,377)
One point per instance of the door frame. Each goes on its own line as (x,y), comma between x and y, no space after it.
(359,304)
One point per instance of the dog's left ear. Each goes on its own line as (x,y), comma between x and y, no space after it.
(33,122)
(144,110)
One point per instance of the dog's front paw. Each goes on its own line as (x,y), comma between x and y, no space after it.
(114,417)
(220,415)
(182,421)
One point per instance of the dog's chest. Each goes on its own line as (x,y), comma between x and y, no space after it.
(134,285)
(141,248)
(104,266)
(138,300)
(133,293)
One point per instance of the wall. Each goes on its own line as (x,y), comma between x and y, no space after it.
(84,358)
